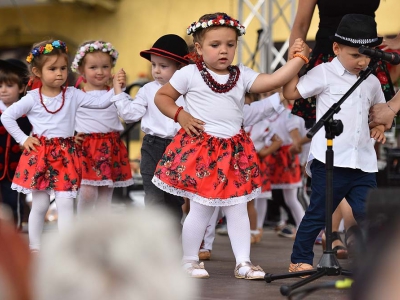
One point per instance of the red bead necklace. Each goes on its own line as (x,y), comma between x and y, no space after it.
(234,74)
(62,104)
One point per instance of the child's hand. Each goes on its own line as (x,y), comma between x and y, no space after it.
(295,148)
(378,134)
(297,47)
(30,143)
(119,81)
(79,138)
(192,126)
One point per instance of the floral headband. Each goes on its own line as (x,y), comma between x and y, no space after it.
(88,48)
(221,20)
(35,52)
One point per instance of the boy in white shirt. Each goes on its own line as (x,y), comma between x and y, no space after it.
(355,159)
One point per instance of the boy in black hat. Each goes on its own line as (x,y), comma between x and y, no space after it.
(355,161)
(166,56)
(13,79)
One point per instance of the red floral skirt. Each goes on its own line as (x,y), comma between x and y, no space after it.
(210,170)
(105,162)
(265,181)
(283,169)
(54,168)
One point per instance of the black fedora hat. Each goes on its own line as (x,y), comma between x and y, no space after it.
(357,30)
(170,46)
(15,66)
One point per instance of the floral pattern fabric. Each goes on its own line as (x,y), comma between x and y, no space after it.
(283,169)
(54,167)
(105,161)
(210,170)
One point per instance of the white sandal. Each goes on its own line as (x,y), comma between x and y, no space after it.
(250,274)
(195,269)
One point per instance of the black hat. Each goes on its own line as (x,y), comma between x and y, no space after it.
(357,30)
(15,66)
(170,46)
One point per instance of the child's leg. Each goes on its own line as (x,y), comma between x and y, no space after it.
(104,197)
(251,210)
(209,235)
(65,209)
(40,205)
(237,220)
(261,207)
(290,196)
(87,197)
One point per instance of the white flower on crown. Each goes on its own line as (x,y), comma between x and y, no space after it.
(222,21)
(204,25)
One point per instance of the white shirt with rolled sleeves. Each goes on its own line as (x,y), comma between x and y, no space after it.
(223,113)
(60,124)
(354,148)
(93,120)
(142,107)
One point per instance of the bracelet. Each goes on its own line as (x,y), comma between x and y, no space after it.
(395,113)
(177,113)
(302,57)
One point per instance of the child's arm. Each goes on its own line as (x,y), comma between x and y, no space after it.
(132,110)
(165,101)
(268,82)
(378,134)
(296,138)
(275,145)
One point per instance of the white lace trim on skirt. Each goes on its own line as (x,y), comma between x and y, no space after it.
(202,200)
(287,185)
(61,194)
(108,183)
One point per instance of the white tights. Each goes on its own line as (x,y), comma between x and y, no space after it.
(40,205)
(291,200)
(91,196)
(197,220)
(261,208)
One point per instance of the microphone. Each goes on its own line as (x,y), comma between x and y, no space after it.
(390,57)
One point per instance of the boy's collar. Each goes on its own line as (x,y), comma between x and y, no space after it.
(339,67)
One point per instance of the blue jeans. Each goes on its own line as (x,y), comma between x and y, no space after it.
(352,184)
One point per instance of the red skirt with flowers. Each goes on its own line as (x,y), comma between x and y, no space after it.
(54,168)
(283,169)
(210,170)
(105,160)
(265,181)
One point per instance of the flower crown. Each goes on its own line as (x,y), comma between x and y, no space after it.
(95,46)
(221,20)
(35,52)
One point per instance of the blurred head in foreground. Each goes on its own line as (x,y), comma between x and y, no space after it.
(114,256)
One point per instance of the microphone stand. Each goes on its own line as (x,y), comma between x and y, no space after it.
(328,264)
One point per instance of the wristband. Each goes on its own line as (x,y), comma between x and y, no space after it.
(177,113)
(302,57)
(395,113)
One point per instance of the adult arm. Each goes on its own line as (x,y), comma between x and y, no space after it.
(302,20)
(383,113)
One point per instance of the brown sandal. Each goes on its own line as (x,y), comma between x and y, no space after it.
(250,273)
(340,251)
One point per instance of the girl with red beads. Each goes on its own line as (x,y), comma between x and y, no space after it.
(104,157)
(211,160)
(50,164)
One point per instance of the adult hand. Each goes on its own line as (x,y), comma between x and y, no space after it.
(393,43)
(381,114)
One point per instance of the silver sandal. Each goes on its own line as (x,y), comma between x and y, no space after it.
(250,273)
(195,265)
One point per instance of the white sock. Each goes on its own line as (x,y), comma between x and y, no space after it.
(87,198)
(261,207)
(65,209)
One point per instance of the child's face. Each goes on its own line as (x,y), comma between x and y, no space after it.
(350,58)
(53,73)
(9,92)
(96,70)
(218,48)
(162,68)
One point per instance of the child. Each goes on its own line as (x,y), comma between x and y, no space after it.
(49,163)
(211,160)
(166,57)
(104,158)
(13,80)
(284,167)
(355,159)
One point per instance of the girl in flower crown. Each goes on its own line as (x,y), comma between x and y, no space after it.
(50,163)
(104,157)
(211,160)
